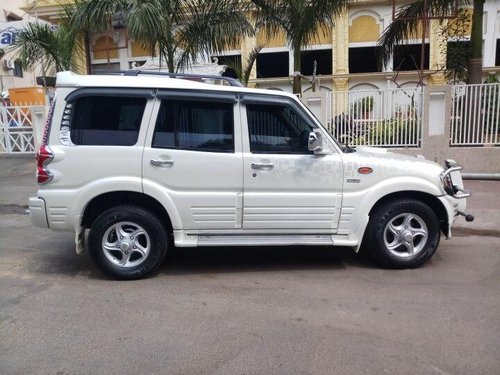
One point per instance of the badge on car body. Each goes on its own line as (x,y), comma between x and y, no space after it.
(365,170)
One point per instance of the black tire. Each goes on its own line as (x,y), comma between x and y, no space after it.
(387,238)
(136,254)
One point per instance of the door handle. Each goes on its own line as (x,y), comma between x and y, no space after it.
(262,165)
(161,163)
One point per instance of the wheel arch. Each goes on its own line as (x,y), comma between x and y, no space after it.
(103,202)
(432,201)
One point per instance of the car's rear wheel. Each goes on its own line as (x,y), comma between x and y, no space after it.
(128,242)
(403,233)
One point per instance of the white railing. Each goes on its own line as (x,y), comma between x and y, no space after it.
(387,118)
(16,129)
(475,117)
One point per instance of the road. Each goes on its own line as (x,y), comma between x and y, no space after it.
(246,311)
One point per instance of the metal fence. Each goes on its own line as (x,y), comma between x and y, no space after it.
(475,117)
(16,129)
(387,118)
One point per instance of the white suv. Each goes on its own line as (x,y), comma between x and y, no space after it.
(141,159)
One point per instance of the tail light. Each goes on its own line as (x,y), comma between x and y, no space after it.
(43,157)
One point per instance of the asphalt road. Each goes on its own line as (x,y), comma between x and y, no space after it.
(246,311)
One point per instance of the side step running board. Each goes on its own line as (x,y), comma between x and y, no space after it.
(264,240)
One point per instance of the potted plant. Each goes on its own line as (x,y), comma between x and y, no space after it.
(363,107)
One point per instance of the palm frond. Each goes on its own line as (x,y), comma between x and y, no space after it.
(52,47)
(299,19)
(213,26)
(38,45)
(250,61)
(146,24)
(406,23)
(95,15)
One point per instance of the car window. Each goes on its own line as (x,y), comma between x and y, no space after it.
(195,126)
(277,129)
(105,120)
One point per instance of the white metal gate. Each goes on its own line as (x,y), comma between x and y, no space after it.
(387,118)
(16,129)
(475,117)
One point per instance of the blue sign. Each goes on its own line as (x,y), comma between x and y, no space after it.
(7,38)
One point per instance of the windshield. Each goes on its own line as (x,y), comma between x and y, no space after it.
(343,146)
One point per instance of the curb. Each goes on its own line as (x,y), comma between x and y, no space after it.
(475,232)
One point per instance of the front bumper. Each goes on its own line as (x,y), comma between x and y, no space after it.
(38,214)
(451,178)
(454,201)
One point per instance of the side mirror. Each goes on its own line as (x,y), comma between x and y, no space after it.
(315,142)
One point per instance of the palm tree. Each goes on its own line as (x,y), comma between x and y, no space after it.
(51,48)
(180,30)
(402,29)
(300,20)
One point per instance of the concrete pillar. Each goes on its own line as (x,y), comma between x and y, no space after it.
(38,116)
(317,103)
(436,122)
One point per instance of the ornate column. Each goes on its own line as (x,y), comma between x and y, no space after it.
(340,95)
(340,42)
(340,63)
(438,47)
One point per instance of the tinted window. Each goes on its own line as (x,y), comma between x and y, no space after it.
(110,121)
(273,64)
(277,129)
(407,57)
(323,58)
(364,60)
(195,125)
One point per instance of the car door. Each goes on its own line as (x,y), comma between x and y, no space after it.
(192,157)
(286,188)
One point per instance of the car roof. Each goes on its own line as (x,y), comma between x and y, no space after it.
(70,79)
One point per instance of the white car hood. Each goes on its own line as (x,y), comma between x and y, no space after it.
(388,164)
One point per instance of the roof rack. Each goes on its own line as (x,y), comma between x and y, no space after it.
(135,73)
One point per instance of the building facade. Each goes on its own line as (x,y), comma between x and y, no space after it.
(13,17)
(344,57)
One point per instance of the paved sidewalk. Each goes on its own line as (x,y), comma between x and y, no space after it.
(17,184)
(484,204)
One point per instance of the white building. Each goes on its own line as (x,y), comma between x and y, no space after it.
(12,20)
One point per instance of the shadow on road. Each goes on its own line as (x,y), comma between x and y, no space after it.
(62,260)
(258,259)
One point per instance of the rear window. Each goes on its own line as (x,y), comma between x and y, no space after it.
(107,121)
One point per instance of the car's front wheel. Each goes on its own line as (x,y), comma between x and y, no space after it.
(403,233)
(127,242)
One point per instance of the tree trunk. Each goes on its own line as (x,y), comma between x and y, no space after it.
(475,74)
(88,61)
(170,60)
(170,52)
(297,80)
